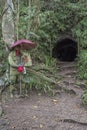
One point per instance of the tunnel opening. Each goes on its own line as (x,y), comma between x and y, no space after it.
(65,50)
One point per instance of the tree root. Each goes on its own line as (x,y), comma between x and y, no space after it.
(72,121)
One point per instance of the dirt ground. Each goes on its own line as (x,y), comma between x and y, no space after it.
(42,112)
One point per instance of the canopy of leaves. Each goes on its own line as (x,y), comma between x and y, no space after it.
(53,18)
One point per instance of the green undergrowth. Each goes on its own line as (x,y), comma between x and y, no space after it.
(3,58)
(83,65)
(84,97)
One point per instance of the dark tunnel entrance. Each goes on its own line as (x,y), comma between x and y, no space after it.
(65,49)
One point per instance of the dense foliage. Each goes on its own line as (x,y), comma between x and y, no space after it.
(49,20)
(54,18)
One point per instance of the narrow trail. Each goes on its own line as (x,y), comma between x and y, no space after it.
(63,111)
(70,83)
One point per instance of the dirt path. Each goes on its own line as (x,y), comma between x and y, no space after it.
(41,112)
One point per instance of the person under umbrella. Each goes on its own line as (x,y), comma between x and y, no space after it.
(19,60)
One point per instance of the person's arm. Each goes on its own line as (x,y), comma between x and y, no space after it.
(11,60)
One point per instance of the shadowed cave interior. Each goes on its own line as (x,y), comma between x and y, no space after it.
(65,50)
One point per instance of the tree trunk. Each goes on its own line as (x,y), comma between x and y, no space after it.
(8,23)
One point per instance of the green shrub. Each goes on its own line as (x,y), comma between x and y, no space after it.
(84,98)
(83,64)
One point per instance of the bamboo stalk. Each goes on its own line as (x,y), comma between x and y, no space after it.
(18,20)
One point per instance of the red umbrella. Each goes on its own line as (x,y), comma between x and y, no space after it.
(26,44)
